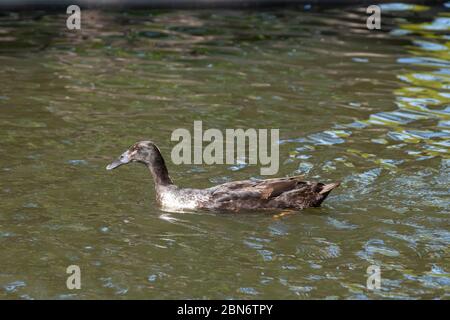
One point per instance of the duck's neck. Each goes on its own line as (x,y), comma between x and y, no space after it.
(158,169)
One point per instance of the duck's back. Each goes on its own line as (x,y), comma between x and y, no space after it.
(280,193)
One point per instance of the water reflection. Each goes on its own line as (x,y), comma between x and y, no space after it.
(371,112)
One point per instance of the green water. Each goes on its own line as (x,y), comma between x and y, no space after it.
(369,108)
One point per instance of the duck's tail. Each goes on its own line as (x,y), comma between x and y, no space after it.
(328,187)
(323,192)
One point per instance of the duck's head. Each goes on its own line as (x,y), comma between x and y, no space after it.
(144,152)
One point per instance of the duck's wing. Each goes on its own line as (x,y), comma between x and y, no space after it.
(270,189)
(262,189)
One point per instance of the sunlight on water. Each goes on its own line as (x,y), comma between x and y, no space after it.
(370,109)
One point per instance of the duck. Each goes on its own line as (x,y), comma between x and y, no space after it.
(286,193)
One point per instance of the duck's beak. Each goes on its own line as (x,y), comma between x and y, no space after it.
(123,159)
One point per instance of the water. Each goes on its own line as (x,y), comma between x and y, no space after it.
(369,108)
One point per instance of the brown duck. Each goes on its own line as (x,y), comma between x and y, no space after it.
(278,193)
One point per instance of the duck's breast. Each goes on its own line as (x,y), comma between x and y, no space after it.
(182,199)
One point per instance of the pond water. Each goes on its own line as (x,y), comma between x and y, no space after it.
(368,108)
